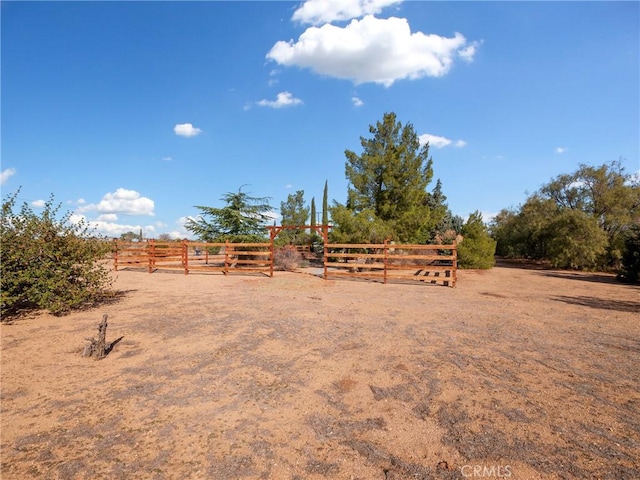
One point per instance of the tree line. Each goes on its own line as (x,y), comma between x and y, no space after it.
(588,219)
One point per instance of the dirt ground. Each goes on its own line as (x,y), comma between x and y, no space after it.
(516,373)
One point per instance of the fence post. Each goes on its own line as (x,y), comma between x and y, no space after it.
(454,274)
(226,257)
(271,251)
(386,254)
(185,256)
(115,254)
(151,252)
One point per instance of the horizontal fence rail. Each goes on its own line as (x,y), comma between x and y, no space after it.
(435,264)
(206,257)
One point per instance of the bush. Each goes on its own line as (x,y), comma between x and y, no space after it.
(631,256)
(48,263)
(477,249)
(287,258)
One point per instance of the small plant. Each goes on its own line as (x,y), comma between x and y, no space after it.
(287,258)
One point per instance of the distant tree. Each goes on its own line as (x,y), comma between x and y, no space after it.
(314,234)
(313,212)
(388,184)
(325,204)
(477,248)
(446,224)
(576,220)
(294,213)
(574,240)
(242,219)
(49,262)
(130,237)
(164,237)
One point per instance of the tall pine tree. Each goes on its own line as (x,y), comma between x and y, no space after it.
(387,187)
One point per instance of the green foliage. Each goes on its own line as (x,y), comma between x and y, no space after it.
(630,272)
(242,219)
(445,224)
(325,204)
(49,263)
(313,212)
(361,227)
(577,220)
(574,240)
(294,213)
(388,182)
(477,249)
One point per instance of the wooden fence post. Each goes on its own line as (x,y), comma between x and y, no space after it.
(454,262)
(151,252)
(226,257)
(115,254)
(185,256)
(272,236)
(386,254)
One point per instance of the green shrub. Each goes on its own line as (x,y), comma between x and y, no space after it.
(48,263)
(477,249)
(631,256)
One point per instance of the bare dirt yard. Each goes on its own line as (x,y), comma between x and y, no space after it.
(516,373)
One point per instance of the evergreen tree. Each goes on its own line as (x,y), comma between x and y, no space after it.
(294,213)
(325,204)
(477,249)
(313,212)
(388,183)
(242,219)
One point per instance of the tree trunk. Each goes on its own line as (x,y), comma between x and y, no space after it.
(98,348)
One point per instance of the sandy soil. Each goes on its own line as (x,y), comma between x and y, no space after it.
(516,373)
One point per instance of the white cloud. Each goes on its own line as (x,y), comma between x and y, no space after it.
(467,53)
(372,50)
(561,149)
(434,140)
(283,99)
(440,142)
(38,203)
(6,174)
(108,217)
(167,159)
(122,201)
(316,12)
(111,229)
(357,102)
(186,130)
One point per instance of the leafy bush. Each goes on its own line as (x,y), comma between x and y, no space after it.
(48,263)
(631,256)
(477,249)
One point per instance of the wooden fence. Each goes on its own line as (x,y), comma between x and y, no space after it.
(188,256)
(386,262)
(435,264)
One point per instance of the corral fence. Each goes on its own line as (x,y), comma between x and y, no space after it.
(436,264)
(189,256)
(386,262)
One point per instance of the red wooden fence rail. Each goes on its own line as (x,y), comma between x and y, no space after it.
(382,262)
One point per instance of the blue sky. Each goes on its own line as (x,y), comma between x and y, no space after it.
(133,113)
